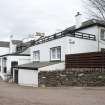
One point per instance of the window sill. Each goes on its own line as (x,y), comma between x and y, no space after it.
(55,60)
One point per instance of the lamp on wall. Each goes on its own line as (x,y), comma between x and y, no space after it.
(71,41)
(4,58)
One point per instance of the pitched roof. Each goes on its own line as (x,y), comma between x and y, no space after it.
(86,24)
(16,41)
(22,47)
(35,65)
(4,44)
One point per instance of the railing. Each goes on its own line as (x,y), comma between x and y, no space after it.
(60,35)
(49,38)
(57,36)
(84,36)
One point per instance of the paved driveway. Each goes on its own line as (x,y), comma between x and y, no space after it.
(15,95)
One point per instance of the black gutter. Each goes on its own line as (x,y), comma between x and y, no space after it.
(26,68)
(15,54)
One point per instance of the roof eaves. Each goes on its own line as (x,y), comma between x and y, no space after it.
(26,68)
(15,54)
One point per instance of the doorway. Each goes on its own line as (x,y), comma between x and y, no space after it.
(16,76)
(13,64)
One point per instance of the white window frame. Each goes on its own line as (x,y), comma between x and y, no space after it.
(36,55)
(55,53)
(102,37)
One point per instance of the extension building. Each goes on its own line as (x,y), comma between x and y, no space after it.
(48,53)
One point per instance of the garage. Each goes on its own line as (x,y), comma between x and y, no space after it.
(26,76)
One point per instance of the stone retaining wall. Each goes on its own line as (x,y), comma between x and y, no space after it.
(72,78)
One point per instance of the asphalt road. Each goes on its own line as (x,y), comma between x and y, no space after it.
(11,94)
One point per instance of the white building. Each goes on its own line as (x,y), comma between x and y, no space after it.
(9,58)
(48,53)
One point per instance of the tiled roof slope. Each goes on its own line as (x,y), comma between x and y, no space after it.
(36,65)
(4,44)
(86,24)
(16,41)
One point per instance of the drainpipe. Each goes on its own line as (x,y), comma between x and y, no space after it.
(70,43)
(1,65)
(98,39)
(10,45)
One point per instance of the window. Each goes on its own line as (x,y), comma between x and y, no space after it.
(102,49)
(36,55)
(55,53)
(102,35)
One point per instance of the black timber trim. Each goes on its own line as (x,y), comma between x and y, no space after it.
(15,54)
(27,68)
(82,35)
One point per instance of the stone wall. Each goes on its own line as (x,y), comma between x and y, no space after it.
(94,77)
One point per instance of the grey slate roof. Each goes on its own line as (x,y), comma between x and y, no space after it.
(4,44)
(86,24)
(35,65)
(16,41)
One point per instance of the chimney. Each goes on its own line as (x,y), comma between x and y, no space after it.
(78,20)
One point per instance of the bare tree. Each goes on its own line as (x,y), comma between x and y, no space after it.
(96,8)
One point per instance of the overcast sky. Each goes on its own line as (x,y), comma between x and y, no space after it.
(23,17)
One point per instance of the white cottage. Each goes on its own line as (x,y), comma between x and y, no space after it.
(48,53)
(9,58)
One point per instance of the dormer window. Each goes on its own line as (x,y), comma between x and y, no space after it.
(102,34)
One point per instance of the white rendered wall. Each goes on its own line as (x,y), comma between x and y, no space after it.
(27,51)
(45,48)
(28,77)
(95,30)
(80,46)
(4,50)
(59,66)
(91,30)
(19,59)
